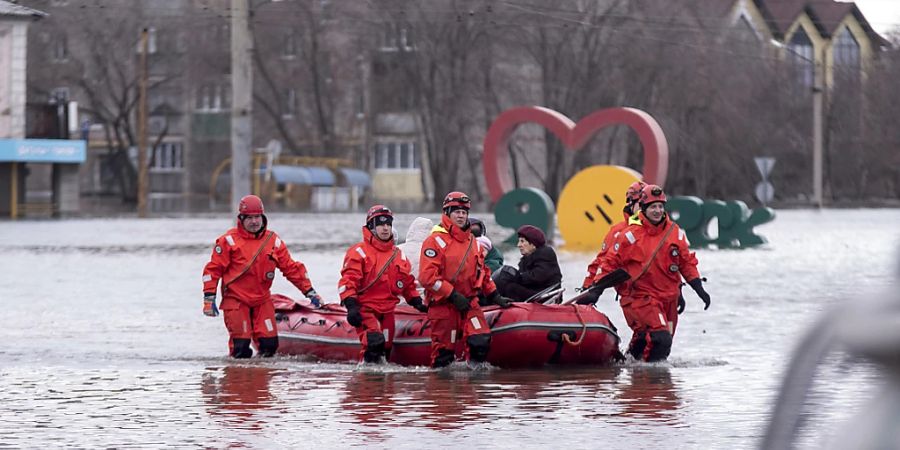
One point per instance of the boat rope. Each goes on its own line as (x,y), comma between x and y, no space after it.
(577,342)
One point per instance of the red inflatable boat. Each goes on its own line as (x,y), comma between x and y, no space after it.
(524,335)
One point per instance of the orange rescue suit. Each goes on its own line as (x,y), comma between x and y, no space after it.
(363,262)
(441,257)
(646,296)
(451,260)
(376,272)
(232,253)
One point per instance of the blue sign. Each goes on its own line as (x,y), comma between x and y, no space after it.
(42,150)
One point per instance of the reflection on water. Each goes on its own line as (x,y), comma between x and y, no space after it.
(451,399)
(382,404)
(650,393)
(233,393)
(104,345)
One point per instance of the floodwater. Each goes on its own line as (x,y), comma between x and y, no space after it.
(104,345)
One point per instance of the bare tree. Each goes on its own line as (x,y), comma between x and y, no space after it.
(305,81)
(880,138)
(102,66)
(435,49)
(588,56)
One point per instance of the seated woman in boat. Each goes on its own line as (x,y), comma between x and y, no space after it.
(538,268)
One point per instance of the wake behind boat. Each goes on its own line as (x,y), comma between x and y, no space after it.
(524,335)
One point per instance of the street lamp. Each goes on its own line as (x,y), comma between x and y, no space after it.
(818,104)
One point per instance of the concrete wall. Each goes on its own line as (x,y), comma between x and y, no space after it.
(13,47)
(65,188)
(398,185)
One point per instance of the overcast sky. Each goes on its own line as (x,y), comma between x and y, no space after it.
(883,15)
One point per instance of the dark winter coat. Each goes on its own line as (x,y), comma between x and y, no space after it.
(537,271)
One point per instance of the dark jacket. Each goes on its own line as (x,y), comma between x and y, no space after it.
(537,271)
(494,260)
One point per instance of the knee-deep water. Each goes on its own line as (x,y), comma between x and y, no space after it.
(104,345)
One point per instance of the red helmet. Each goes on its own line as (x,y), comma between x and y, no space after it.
(633,194)
(379,211)
(250,205)
(651,194)
(457,199)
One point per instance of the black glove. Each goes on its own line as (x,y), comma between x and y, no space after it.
(499,300)
(416,302)
(589,296)
(609,280)
(681,303)
(505,274)
(697,285)
(606,281)
(459,302)
(354,318)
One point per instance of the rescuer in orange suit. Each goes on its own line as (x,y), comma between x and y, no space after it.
(453,273)
(647,261)
(632,196)
(674,307)
(374,274)
(245,259)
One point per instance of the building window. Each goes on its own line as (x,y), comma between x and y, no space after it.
(168,156)
(846,54)
(106,174)
(156,124)
(59,95)
(360,103)
(151,41)
(847,62)
(397,155)
(395,38)
(290,103)
(60,48)
(289,47)
(393,162)
(213,97)
(800,49)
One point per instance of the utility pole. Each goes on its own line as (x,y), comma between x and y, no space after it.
(142,129)
(818,103)
(242,95)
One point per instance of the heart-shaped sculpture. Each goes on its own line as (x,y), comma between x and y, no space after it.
(573,136)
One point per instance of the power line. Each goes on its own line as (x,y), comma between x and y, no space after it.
(634,29)
(185,12)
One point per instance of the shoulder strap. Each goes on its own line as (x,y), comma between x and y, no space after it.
(655,251)
(249,264)
(380,272)
(463,261)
